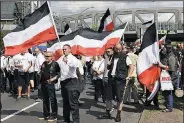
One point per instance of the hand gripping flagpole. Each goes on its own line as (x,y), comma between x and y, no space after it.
(54,24)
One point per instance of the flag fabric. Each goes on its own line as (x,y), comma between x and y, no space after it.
(147,23)
(67,29)
(36,28)
(106,23)
(88,42)
(162,40)
(148,73)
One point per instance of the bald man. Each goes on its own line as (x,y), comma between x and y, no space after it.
(49,77)
(117,78)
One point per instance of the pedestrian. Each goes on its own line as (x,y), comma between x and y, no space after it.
(23,64)
(98,70)
(133,79)
(38,63)
(108,59)
(49,76)
(120,70)
(70,87)
(172,63)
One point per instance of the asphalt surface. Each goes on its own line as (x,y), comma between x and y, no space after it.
(90,112)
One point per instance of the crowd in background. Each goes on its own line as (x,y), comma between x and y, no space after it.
(112,74)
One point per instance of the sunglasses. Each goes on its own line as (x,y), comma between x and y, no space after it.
(48,56)
(64,49)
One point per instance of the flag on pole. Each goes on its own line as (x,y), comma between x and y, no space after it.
(106,23)
(162,40)
(88,42)
(36,28)
(147,23)
(67,29)
(148,73)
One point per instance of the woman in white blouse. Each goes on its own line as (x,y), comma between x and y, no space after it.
(98,70)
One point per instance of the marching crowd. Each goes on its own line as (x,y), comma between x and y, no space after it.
(112,74)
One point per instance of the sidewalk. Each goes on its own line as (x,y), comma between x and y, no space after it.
(150,115)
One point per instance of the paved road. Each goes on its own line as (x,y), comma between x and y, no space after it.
(90,112)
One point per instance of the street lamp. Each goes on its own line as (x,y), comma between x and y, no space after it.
(80,25)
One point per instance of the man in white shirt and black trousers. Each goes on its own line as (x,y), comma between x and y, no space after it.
(120,70)
(70,87)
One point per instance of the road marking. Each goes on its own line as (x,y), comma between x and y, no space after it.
(9,116)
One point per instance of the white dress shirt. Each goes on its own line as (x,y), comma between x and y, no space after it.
(39,61)
(68,70)
(80,66)
(100,66)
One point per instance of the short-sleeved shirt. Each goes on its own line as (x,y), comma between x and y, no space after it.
(23,60)
(100,66)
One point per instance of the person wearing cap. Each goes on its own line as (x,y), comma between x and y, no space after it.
(70,86)
(49,76)
(172,63)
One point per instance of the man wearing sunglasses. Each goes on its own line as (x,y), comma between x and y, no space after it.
(49,76)
(70,86)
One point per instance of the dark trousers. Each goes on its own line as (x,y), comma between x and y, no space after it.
(155,98)
(105,83)
(49,96)
(70,96)
(37,82)
(168,99)
(11,81)
(99,89)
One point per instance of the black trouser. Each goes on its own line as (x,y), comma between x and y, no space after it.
(49,96)
(11,81)
(99,89)
(155,98)
(105,83)
(70,95)
(37,82)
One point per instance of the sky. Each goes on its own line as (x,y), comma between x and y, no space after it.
(75,7)
(64,8)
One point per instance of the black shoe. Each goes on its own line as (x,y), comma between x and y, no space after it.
(66,120)
(147,104)
(157,107)
(52,119)
(107,114)
(118,117)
